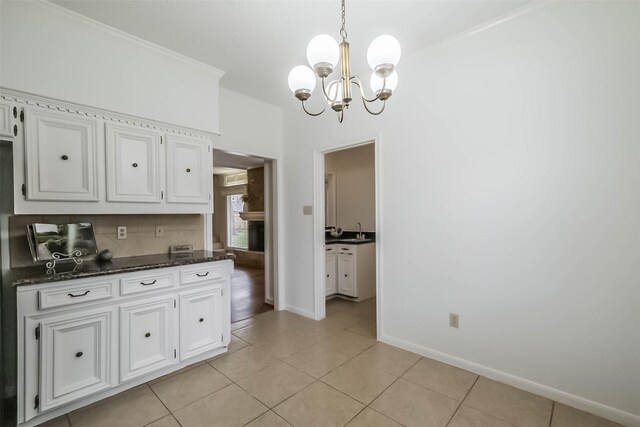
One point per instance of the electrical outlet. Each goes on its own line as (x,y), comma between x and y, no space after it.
(159,231)
(454,321)
(307,210)
(122,232)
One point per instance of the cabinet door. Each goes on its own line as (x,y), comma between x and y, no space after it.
(8,115)
(76,356)
(135,164)
(346,274)
(330,270)
(201,321)
(189,176)
(147,337)
(61,156)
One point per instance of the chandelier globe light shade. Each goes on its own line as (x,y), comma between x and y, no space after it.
(324,54)
(302,81)
(381,87)
(383,54)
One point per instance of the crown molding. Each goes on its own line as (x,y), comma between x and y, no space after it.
(29,99)
(115,34)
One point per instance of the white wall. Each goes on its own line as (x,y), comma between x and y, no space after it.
(354,172)
(524,139)
(48,50)
(249,126)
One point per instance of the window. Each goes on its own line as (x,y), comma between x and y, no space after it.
(237,230)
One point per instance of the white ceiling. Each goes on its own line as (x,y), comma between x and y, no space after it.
(258,42)
(224,162)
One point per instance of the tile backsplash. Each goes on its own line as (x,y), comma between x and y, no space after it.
(141,233)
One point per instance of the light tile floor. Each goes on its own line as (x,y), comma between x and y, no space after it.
(283,369)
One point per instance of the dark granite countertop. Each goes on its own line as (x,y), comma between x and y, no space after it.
(35,274)
(349,238)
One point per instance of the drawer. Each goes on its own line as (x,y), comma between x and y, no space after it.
(146,283)
(330,249)
(201,274)
(75,293)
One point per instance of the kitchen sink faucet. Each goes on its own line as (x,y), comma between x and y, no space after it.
(360,235)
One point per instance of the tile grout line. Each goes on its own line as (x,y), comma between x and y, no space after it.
(463,399)
(165,407)
(553,409)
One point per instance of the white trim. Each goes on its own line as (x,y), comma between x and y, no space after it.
(119,35)
(208,232)
(604,411)
(300,311)
(319,297)
(26,98)
(277,188)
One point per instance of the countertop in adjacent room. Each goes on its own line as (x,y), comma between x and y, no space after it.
(67,270)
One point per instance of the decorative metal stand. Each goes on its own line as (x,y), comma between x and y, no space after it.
(57,256)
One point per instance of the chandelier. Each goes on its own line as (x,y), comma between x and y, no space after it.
(323,54)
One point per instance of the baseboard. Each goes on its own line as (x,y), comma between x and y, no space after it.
(300,311)
(604,411)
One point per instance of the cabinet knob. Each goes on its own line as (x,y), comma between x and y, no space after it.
(15,112)
(327,275)
(15,130)
(147,335)
(79,354)
(188,170)
(135,165)
(345,275)
(64,157)
(201,319)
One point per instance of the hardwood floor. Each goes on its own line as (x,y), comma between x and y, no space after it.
(247,293)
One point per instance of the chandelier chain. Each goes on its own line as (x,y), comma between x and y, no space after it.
(343,32)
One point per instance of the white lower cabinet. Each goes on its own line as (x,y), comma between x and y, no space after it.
(350,270)
(76,355)
(201,322)
(330,271)
(147,336)
(75,352)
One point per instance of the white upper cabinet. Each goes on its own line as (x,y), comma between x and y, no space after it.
(62,152)
(135,164)
(8,114)
(189,176)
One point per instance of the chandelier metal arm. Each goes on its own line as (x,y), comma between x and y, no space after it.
(373,113)
(324,90)
(357,82)
(312,114)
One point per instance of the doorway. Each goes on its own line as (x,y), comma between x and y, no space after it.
(242,225)
(347,242)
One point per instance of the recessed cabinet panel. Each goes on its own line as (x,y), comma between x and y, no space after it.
(75,357)
(201,321)
(61,156)
(135,164)
(346,274)
(5,119)
(147,336)
(330,270)
(189,165)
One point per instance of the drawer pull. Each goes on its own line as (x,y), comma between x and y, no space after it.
(188,170)
(147,335)
(327,275)
(345,275)
(201,319)
(135,165)
(202,275)
(153,282)
(64,157)
(79,354)
(15,130)
(79,295)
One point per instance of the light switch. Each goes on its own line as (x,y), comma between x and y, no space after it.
(307,210)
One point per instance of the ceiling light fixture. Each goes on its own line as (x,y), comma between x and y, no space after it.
(323,54)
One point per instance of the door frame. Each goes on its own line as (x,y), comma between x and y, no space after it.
(274,233)
(319,297)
